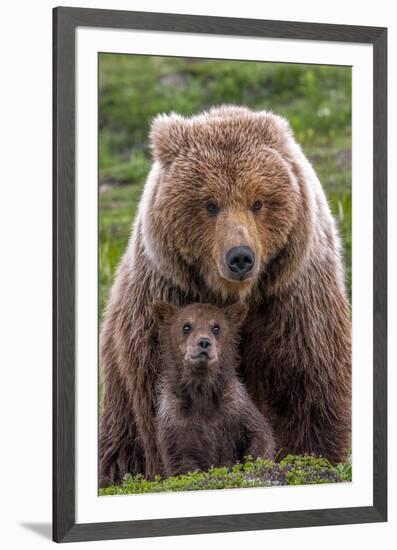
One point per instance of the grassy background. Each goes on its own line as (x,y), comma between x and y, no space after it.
(133,89)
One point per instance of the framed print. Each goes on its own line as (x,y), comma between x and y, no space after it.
(219,274)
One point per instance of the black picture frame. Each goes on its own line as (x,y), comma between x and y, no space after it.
(65,22)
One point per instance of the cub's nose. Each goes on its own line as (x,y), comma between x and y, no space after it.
(240,260)
(204,343)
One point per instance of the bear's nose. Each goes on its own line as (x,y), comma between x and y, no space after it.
(240,259)
(204,343)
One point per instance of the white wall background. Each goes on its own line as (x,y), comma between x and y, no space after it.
(25,270)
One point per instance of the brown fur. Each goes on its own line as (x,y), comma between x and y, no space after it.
(205,417)
(296,344)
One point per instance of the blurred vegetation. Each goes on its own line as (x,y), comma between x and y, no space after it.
(133,89)
(293,470)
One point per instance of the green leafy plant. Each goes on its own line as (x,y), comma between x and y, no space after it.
(293,470)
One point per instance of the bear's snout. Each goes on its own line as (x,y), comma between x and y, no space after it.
(240,260)
(203,343)
(237,250)
(202,350)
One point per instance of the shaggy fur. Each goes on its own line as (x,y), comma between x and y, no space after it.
(205,417)
(296,344)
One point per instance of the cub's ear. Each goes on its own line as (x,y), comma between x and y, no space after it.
(162,312)
(167,136)
(236,313)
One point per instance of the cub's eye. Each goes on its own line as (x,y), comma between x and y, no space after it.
(212,208)
(187,327)
(256,206)
(216,329)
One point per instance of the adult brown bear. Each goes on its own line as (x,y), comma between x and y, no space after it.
(232,211)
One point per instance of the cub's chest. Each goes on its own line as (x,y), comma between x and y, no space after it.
(193,416)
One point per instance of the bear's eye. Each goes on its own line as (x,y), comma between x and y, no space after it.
(212,208)
(187,327)
(256,206)
(216,329)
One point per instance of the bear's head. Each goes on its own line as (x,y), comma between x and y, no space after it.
(223,198)
(199,339)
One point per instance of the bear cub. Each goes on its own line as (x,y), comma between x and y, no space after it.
(205,417)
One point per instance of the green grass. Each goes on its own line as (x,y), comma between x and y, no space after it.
(293,470)
(117,209)
(134,89)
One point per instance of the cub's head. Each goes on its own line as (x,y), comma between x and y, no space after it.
(221,199)
(198,338)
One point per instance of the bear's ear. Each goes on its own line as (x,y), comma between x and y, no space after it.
(167,136)
(162,312)
(236,314)
(274,128)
